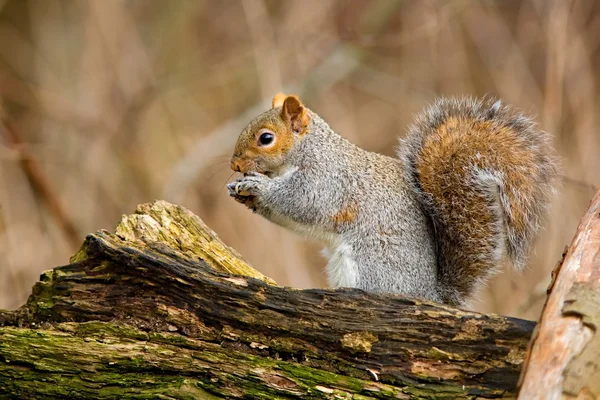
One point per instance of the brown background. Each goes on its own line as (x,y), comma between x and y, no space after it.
(111,103)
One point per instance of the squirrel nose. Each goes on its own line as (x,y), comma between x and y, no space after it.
(235,165)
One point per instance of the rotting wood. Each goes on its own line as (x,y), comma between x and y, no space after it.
(150,312)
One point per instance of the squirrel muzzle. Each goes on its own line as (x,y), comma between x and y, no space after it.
(237,165)
(245,165)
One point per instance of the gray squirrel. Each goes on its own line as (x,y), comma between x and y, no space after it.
(469,191)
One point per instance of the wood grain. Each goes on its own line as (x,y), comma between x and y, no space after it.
(567,326)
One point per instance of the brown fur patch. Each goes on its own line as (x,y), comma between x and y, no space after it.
(459,143)
(445,168)
(345,215)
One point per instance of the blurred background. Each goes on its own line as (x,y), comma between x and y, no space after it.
(106,104)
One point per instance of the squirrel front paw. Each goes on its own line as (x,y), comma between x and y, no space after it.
(248,188)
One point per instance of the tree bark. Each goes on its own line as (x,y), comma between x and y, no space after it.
(564,356)
(163,309)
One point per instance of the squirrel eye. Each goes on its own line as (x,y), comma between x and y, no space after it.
(266,139)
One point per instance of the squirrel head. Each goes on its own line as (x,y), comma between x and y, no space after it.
(264,144)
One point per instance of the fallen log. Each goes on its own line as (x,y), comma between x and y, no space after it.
(163,309)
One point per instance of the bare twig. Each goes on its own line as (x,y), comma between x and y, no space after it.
(42,185)
(579,182)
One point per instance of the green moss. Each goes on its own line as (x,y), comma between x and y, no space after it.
(436,354)
(47,276)
(101,330)
(81,254)
(106,361)
(41,300)
(63,364)
(119,386)
(313,377)
(174,339)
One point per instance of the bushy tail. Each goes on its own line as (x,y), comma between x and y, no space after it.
(485,175)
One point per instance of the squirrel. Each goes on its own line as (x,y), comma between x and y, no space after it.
(468,192)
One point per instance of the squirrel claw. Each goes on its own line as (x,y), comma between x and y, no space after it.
(252,184)
(248,201)
(242,191)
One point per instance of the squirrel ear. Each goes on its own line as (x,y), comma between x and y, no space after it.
(278,100)
(294,113)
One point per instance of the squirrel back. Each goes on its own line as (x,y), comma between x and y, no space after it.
(484,174)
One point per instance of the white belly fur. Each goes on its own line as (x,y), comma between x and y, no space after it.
(341,269)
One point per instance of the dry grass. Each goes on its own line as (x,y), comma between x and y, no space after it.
(107,104)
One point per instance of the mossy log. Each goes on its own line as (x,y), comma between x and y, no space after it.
(163,309)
